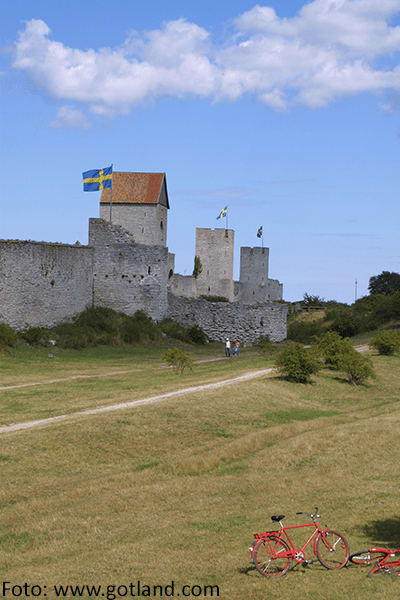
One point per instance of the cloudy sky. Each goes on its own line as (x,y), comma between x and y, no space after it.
(287,112)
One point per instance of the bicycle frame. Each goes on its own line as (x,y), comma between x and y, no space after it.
(297,554)
(385,562)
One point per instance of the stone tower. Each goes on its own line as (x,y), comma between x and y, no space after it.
(139,205)
(214,247)
(255,286)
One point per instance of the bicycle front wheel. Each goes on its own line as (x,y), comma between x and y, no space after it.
(265,564)
(332,549)
(366,558)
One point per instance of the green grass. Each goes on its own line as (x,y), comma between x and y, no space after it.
(174,491)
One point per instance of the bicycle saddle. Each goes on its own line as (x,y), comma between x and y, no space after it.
(277,517)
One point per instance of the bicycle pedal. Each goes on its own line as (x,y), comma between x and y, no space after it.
(306,563)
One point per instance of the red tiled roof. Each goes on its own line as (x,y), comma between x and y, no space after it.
(134,188)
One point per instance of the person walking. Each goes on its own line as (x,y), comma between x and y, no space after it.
(236,349)
(228,351)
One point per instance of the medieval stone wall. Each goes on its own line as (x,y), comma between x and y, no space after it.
(127,276)
(42,284)
(214,247)
(246,322)
(146,222)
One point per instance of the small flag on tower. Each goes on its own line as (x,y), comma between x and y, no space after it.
(223,213)
(97,179)
(260,232)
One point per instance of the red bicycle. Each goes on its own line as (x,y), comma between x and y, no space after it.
(274,551)
(385,561)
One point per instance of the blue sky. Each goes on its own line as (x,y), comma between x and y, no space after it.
(287,112)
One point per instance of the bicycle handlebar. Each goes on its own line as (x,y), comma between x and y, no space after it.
(312,517)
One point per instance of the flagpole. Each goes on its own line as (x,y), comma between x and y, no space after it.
(111,192)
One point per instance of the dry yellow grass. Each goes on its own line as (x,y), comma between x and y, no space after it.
(175,491)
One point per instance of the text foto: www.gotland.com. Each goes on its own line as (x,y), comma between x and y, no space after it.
(109,592)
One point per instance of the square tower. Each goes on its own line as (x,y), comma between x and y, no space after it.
(214,247)
(139,205)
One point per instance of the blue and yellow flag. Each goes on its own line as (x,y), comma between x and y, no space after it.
(260,231)
(223,213)
(97,179)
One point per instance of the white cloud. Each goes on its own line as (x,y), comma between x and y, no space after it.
(330,49)
(70,117)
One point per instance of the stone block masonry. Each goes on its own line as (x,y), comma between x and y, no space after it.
(246,322)
(127,276)
(42,284)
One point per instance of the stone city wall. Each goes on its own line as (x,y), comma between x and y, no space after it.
(42,284)
(224,319)
(127,276)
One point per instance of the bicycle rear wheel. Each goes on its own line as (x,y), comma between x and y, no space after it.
(366,558)
(262,557)
(385,570)
(332,549)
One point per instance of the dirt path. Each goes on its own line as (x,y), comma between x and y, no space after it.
(135,403)
(95,376)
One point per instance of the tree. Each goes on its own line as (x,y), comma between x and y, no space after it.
(310,300)
(178,360)
(198,267)
(385,283)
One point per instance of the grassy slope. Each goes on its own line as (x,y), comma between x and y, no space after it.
(174,491)
(142,373)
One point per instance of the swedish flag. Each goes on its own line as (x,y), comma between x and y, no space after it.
(260,232)
(97,179)
(223,213)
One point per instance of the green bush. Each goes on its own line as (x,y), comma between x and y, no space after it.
(305,331)
(357,367)
(197,335)
(386,342)
(263,344)
(332,348)
(214,298)
(35,336)
(344,321)
(178,360)
(297,363)
(175,330)
(8,337)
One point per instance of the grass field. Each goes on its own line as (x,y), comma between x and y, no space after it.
(174,491)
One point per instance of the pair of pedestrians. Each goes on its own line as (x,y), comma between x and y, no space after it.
(228,348)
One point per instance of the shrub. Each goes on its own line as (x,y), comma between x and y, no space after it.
(344,322)
(178,360)
(197,335)
(333,347)
(297,363)
(386,342)
(35,336)
(263,344)
(357,367)
(214,298)
(8,337)
(304,331)
(175,330)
